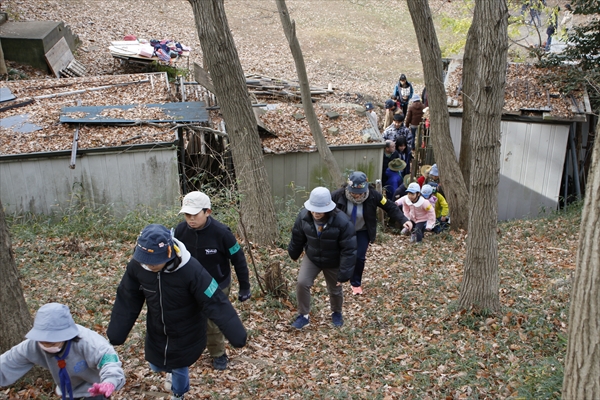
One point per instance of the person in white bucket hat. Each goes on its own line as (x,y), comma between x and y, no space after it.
(82,363)
(214,245)
(328,239)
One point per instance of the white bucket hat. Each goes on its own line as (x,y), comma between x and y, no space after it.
(319,200)
(53,323)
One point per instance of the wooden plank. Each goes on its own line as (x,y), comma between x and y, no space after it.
(586,101)
(59,56)
(202,77)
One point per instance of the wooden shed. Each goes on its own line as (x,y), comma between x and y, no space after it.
(110,141)
(119,179)
(546,137)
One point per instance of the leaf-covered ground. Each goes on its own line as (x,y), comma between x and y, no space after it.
(403,339)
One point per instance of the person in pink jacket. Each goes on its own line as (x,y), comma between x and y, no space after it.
(418,210)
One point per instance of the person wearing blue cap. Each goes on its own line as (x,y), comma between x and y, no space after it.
(327,238)
(360,202)
(419,210)
(179,295)
(82,363)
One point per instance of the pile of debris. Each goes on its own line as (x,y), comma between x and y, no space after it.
(31,120)
(524,94)
(262,86)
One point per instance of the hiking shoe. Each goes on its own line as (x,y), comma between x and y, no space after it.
(337,319)
(356,290)
(300,322)
(168,381)
(220,362)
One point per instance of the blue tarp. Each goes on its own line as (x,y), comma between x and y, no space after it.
(185,112)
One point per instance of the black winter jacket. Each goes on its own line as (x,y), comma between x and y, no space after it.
(335,248)
(178,303)
(370,205)
(215,247)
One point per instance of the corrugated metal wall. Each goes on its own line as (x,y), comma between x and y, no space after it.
(296,174)
(122,180)
(532,156)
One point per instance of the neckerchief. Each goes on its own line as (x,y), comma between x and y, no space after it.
(65,381)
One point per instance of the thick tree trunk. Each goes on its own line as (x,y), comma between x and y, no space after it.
(582,361)
(223,63)
(479,287)
(14,314)
(289,28)
(468,91)
(431,58)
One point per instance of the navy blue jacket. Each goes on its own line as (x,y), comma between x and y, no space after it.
(216,247)
(370,205)
(334,248)
(178,303)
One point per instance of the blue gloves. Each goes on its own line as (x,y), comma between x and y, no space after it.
(244,295)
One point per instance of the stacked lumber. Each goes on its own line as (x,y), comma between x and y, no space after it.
(73,70)
(263,86)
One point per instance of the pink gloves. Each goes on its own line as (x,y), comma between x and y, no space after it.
(105,388)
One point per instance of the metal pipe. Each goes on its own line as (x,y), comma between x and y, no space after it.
(566,177)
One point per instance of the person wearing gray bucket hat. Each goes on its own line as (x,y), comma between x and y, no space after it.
(360,202)
(327,238)
(319,201)
(179,295)
(82,363)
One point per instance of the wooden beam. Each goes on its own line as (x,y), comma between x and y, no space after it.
(202,77)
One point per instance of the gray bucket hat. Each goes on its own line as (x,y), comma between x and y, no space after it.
(53,323)
(319,200)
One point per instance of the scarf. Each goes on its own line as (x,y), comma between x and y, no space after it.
(360,200)
(65,381)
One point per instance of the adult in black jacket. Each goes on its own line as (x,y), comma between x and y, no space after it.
(213,244)
(179,293)
(328,240)
(360,202)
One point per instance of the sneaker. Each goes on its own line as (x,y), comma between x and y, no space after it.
(300,322)
(168,381)
(356,290)
(177,397)
(337,319)
(220,362)
(413,238)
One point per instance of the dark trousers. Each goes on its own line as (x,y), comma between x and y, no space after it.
(362,240)
(419,230)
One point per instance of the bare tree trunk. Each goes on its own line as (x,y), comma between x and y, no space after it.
(582,361)
(223,63)
(289,27)
(431,58)
(479,287)
(3,70)
(14,313)
(468,91)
